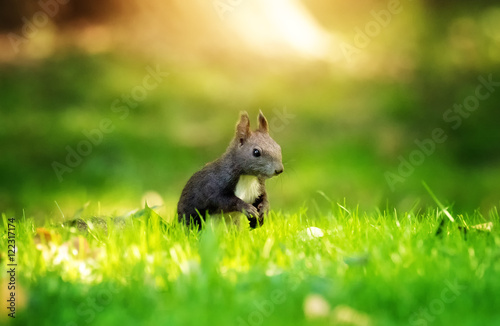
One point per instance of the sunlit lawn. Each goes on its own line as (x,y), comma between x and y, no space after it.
(340,267)
(78,124)
(314,262)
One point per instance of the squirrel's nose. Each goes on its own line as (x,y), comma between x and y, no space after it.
(278,171)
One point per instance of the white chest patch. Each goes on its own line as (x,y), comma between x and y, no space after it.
(248,188)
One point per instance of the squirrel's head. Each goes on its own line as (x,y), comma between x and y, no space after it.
(256,152)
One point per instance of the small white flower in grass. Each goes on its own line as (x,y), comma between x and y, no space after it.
(85,271)
(311,233)
(61,255)
(315,306)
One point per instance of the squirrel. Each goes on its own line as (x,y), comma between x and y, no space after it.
(235,182)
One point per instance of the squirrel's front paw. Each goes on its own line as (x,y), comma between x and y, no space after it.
(258,219)
(256,222)
(251,212)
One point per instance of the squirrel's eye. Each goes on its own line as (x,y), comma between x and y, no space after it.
(256,152)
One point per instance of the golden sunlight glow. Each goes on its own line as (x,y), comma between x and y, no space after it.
(281,27)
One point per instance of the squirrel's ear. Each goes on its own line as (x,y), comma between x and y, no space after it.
(263,125)
(243,128)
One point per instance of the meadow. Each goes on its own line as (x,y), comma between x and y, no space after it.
(378,256)
(375,259)
(341,267)
(387,210)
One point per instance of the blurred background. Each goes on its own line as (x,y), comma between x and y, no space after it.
(108,101)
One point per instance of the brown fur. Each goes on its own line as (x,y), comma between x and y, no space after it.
(212,189)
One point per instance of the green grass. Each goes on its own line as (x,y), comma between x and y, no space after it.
(345,134)
(383,266)
(371,268)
